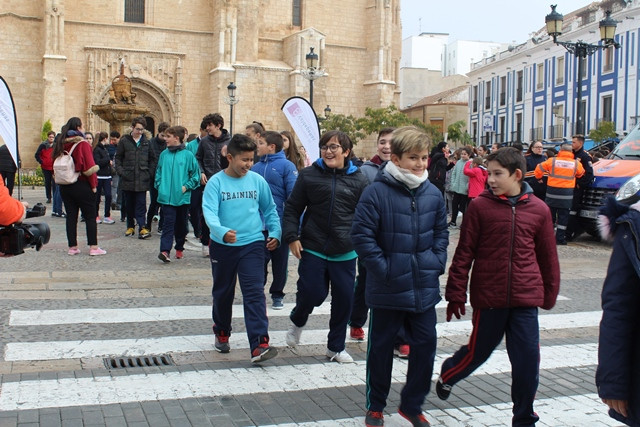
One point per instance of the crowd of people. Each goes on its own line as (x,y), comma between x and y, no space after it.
(382,225)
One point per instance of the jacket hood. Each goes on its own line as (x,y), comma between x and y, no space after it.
(611,214)
(269,157)
(174,148)
(348,170)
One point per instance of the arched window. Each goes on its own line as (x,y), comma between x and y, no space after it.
(134,11)
(296,20)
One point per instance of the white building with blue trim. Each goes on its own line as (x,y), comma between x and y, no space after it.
(528,92)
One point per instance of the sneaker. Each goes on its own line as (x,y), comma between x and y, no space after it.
(108,220)
(205,251)
(357,334)
(73,251)
(159,231)
(277,303)
(263,352)
(97,251)
(402,351)
(374,419)
(156,218)
(452,225)
(222,342)
(145,233)
(179,254)
(98,220)
(443,390)
(130,231)
(122,219)
(340,356)
(293,335)
(48,201)
(416,420)
(164,257)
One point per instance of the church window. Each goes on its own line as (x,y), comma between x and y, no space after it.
(297,13)
(134,11)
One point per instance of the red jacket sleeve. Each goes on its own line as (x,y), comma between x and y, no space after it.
(83,159)
(11,210)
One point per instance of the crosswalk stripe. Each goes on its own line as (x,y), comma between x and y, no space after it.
(51,350)
(102,390)
(567,411)
(146,314)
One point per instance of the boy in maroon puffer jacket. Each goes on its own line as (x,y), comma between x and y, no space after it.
(507,235)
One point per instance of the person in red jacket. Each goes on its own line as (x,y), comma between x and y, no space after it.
(507,235)
(477,173)
(44,156)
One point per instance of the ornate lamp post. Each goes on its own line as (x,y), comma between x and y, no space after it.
(231,100)
(312,72)
(581,50)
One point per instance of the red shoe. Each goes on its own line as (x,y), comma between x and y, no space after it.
(263,351)
(402,351)
(179,254)
(374,419)
(357,334)
(416,420)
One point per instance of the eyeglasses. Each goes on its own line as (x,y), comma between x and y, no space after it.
(138,129)
(333,148)
(537,146)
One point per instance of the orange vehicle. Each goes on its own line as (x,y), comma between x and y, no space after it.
(620,167)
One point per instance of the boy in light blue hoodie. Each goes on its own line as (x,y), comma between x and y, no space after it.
(232,204)
(177,174)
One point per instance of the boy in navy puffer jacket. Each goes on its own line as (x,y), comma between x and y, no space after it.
(400,234)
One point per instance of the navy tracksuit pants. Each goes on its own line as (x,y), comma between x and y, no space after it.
(279,258)
(315,275)
(243,261)
(175,225)
(420,333)
(520,325)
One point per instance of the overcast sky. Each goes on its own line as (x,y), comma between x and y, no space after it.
(502,21)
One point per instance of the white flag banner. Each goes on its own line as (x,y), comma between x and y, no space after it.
(305,124)
(8,122)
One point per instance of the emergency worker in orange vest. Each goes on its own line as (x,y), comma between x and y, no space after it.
(562,172)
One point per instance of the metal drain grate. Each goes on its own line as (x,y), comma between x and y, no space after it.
(138,362)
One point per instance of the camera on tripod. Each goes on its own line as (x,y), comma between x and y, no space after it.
(15,238)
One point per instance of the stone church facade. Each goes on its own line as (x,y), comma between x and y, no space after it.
(60,56)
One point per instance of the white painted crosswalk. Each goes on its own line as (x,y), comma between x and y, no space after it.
(36,394)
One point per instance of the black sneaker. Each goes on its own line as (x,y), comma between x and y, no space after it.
(443,390)
(164,257)
(222,342)
(374,419)
(263,352)
(416,420)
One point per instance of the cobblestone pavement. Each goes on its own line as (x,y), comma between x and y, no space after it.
(61,316)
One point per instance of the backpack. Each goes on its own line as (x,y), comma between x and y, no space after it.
(64,168)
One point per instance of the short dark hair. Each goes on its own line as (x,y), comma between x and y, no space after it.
(114,134)
(203,125)
(342,138)
(518,146)
(214,119)
(178,131)
(240,144)
(579,137)
(385,131)
(139,120)
(163,126)
(274,138)
(467,149)
(509,158)
(51,133)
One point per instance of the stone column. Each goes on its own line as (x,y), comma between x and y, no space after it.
(53,64)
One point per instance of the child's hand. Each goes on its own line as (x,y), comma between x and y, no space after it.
(296,249)
(230,236)
(455,309)
(184,189)
(620,406)
(272,244)
(203,179)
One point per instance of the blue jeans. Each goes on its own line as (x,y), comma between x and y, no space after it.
(227,262)
(175,225)
(57,199)
(315,275)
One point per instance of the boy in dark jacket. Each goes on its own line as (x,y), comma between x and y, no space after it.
(281,176)
(400,234)
(507,235)
(618,374)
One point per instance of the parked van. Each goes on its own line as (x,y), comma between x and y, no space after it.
(609,175)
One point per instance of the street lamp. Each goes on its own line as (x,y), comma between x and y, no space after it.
(581,50)
(231,100)
(327,113)
(312,72)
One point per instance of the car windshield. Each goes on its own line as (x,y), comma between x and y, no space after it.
(629,147)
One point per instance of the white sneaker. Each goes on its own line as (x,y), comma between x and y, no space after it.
(205,251)
(293,335)
(340,357)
